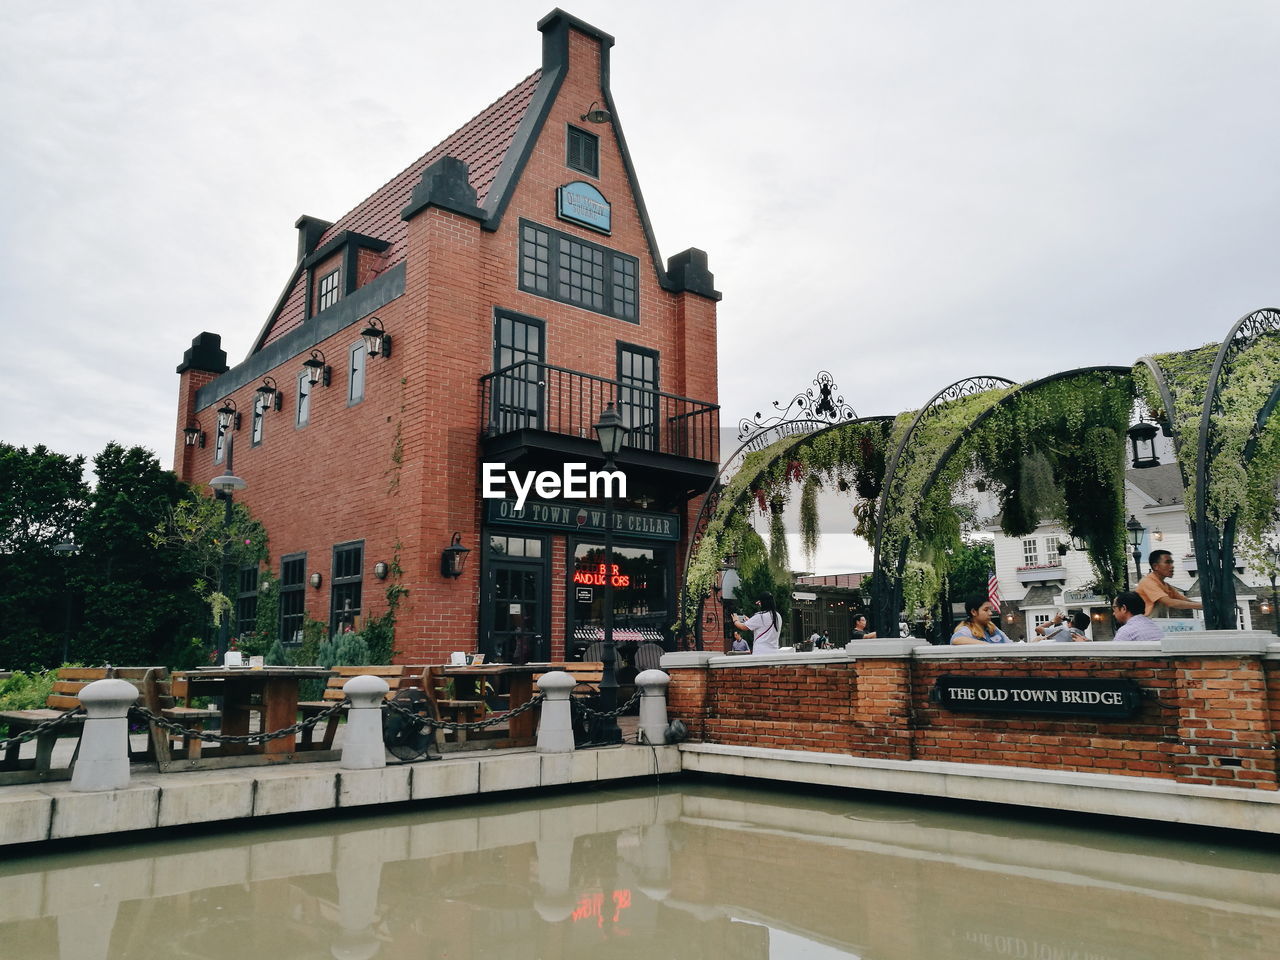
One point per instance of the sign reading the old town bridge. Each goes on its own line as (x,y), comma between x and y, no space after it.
(1054,695)
(577,518)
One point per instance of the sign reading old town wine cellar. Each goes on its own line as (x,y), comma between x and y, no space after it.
(1057,695)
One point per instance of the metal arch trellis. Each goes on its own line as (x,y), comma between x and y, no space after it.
(818,408)
(1215,549)
(890,595)
(714,497)
(893,596)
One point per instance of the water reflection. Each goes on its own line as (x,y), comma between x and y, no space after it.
(686,872)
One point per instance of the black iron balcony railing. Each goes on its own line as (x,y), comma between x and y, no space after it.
(538,396)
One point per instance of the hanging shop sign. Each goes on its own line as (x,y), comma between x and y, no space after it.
(582,203)
(1046,695)
(575,518)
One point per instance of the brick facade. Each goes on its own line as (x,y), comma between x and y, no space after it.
(399,470)
(1204,718)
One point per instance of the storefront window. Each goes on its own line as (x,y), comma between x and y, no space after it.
(642,604)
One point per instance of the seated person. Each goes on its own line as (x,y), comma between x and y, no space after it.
(860,631)
(978,628)
(1128,609)
(1155,589)
(1073,629)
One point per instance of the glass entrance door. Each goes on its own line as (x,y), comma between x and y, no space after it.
(515,627)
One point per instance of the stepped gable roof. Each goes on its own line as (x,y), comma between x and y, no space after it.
(1163,484)
(482,143)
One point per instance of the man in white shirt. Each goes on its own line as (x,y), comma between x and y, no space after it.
(1128,609)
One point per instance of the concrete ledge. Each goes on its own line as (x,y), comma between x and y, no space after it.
(108,811)
(1010,651)
(1110,795)
(796,659)
(27,815)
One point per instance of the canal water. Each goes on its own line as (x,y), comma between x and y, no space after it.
(683,871)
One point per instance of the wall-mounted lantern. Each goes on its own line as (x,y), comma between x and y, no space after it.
(228,416)
(269,395)
(192,435)
(454,557)
(596,114)
(380,570)
(315,580)
(376,339)
(318,371)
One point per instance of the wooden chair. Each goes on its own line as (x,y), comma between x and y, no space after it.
(397,676)
(446,708)
(587,673)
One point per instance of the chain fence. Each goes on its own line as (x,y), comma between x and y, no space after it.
(419,719)
(590,714)
(143,713)
(33,732)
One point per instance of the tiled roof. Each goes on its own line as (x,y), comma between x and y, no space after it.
(482,144)
(1040,596)
(1163,484)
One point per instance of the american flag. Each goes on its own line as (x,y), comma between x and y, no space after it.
(993,591)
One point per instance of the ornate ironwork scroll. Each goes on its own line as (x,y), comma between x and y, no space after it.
(821,403)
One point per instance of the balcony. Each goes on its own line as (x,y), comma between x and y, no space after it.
(535,413)
(1042,573)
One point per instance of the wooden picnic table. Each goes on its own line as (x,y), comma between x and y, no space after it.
(271,691)
(522,731)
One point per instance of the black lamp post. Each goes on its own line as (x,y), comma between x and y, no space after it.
(610,431)
(67,549)
(225,486)
(1136,532)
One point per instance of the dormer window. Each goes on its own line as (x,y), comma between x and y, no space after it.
(328,292)
(582,152)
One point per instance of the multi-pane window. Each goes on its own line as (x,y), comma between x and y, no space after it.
(1040,618)
(535,259)
(355,372)
(348,561)
(293,578)
(328,293)
(637,395)
(1030,552)
(570,270)
(518,392)
(247,601)
(582,151)
(1050,548)
(303,404)
(516,546)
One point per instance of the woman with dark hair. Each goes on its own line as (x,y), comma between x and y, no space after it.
(765,626)
(978,628)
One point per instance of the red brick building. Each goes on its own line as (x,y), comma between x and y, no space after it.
(516,276)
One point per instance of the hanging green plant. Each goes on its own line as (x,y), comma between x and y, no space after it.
(778,553)
(809,518)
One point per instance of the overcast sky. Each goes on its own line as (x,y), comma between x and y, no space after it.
(901,193)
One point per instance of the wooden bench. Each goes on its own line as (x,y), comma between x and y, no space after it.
(169,698)
(587,673)
(156,695)
(398,677)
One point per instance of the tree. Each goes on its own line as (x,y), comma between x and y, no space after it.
(971,565)
(42,498)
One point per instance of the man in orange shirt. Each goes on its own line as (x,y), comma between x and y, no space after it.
(1154,589)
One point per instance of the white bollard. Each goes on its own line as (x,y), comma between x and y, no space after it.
(103,760)
(362,747)
(653,706)
(555,726)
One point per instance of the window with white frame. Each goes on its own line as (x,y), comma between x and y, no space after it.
(328,291)
(355,370)
(1030,552)
(303,406)
(1051,548)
